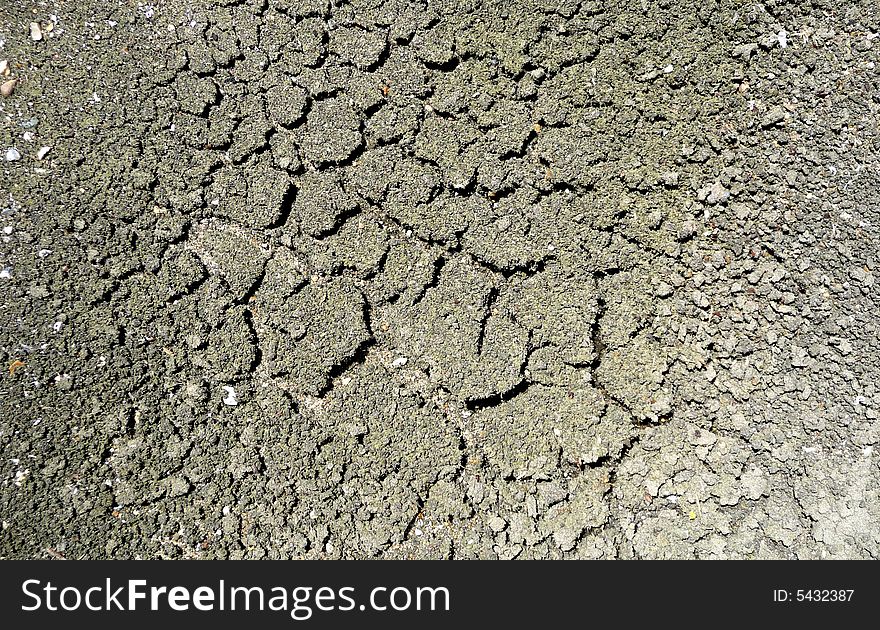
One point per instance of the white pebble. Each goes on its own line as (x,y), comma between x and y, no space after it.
(231,397)
(21,475)
(36,32)
(12,154)
(782,36)
(42,152)
(399,362)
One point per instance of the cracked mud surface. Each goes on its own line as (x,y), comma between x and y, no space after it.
(455,279)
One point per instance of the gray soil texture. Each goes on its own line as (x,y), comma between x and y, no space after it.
(439,279)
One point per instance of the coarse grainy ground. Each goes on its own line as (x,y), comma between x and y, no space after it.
(443,279)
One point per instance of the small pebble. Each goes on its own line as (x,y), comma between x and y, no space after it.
(745,51)
(8,87)
(773,117)
(713,193)
(42,152)
(670,179)
(12,155)
(711,374)
(662,405)
(399,362)
(663,290)
(4,66)
(36,32)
